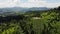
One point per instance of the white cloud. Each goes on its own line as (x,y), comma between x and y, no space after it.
(29,3)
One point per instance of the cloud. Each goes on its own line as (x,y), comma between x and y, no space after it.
(33,3)
(52,1)
(39,3)
(28,3)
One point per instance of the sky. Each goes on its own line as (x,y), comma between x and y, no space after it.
(29,3)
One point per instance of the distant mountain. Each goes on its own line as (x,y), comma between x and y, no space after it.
(20,10)
(39,8)
(23,9)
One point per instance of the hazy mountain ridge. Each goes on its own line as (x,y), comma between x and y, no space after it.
(21,10)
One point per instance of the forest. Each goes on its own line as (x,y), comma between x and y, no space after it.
(32,22)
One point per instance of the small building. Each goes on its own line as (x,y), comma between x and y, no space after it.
(36,18)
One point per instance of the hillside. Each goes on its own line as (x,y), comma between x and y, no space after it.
(48,23)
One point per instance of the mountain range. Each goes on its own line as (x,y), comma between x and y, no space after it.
(23,9)
(20,10)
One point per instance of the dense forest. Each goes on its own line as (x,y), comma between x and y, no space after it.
(32,22)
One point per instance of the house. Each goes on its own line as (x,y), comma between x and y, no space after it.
(36,18)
